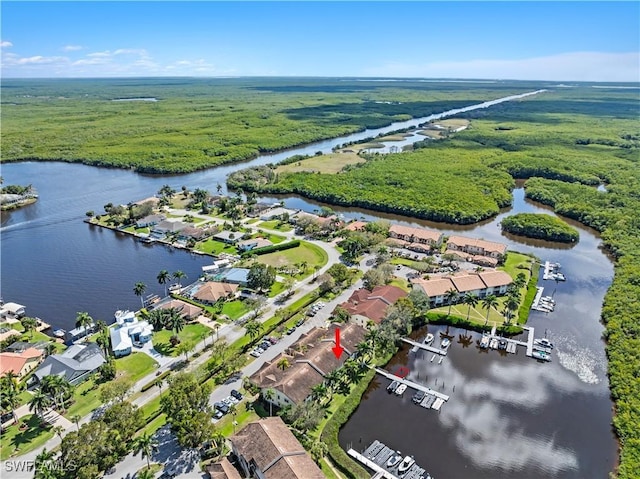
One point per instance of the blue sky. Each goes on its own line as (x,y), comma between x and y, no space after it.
(571,41)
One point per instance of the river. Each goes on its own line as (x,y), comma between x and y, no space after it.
(508,415)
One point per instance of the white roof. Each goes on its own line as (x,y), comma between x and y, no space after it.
(13,307)
(120,340)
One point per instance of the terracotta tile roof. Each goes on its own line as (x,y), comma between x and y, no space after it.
(415,233)
(356,226)
(187,309)
(467,282)
(275,451)
(212,291)
(488,246)
(16,361)
(307,368)
(435,287)
(495,278)
(373,304)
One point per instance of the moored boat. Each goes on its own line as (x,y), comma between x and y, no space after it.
(428,339)
(541,355)
(59,333)
(406,463)
(392,387)
(400,390)
(444,344)
(543,342)
(484,342)
(394,460)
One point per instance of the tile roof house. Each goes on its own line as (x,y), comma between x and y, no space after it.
(310,360)
(267,449)
(222,470)
(480,284)
(365,305)
(188,310)
(477,246)
(76,363)
(165,227)
(356,226)
(473,258)
(21,363)
(415,235)
(150,220)
(211,291)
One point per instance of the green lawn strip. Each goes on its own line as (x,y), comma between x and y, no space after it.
(212,246)
(400,283)
(275,225)
(154,425)
(16,442)
(136,365)
(234,309)
(243,417)
(86,398)
(276,289)
(327,470)
(193,333)
(305,253)
(252,221)
(525,307)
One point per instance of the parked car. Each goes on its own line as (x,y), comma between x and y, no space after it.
(265,345)
(218,414)
(300,322)
(222,407)
(255,353)
(273,340)
(236,394)
(291,330)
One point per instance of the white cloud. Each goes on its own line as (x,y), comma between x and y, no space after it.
(5,44)
(72,48)
(573,66)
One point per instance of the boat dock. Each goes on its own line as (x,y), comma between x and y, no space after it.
(552,271)
(375,457)
(492,341)
(412,385)
(442,352)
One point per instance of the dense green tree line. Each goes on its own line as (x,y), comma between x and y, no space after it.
(200,123)
(540,226)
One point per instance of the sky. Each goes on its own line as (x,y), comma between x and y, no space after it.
(544,40)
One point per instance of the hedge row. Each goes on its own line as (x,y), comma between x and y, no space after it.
(152,383)
(271,249)
(329,435)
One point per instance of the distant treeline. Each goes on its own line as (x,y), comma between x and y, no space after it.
(539,226)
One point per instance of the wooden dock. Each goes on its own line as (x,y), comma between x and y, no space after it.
(412,385)
(376,456)
(529,342)
(426,347)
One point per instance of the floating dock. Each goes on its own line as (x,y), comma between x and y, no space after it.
(552,271)
(412,385)
(375,457)
(426,347)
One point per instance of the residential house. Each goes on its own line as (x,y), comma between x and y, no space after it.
(365,305)
(479,284)
(128,331)
(192,232)
(267,449)
(276,213)
(253,243)
(420,236)
(473,258)
(75,364)
(257,209)
(149,221)
(6,333)
(229,237)
(20,363)
(232,275)
(310,360)
(11,311)
(169,226)
(211,292)
(477,247)
(80,332)
(356,226)
(187,310)
(222,470)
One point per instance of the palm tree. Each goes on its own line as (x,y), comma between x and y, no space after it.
(11,400)
(217,328)
(268,396)
(146,444)
(318,450)
(163,277)
(56,387)
(29,324)
(471,300)
(43,465)
(76,419)
(39,402)
(319,391)
(139,290)
(49,349)
(511,305)
(185,348)
(84,320)
(58,430)
(253,328)
(174,320)
(157,318)
(451,295)
(364,349)
(487,303)
(178,275)
(332,379)
(283,363)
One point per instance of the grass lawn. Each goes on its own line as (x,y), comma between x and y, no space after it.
(243,417)
(193,333)
(327,470)
(477,315)
(234,309)
(276,289)
(274,225)
(216,247)
(400,283)
(16,442)
(86,398)
(135,366)
(252,221)
(330,163)
(306,252)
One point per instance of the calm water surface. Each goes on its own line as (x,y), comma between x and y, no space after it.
(508,416)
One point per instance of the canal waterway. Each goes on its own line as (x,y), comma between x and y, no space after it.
(507,416)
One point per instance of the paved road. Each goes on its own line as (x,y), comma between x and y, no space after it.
(229,333)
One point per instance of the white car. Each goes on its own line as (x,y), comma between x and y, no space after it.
(255,353)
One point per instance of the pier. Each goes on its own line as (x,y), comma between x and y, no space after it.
(512,344)
(442,352)
(375,457)
(412,385)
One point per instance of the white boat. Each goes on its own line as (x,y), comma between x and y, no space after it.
(543,342)
(392,387)
(428,339)
(541,355)
(444,344)
(484,342)
(400,390)
(394,460)
(406,463)
(59,333)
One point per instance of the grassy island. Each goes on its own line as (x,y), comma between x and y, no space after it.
(540,226)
